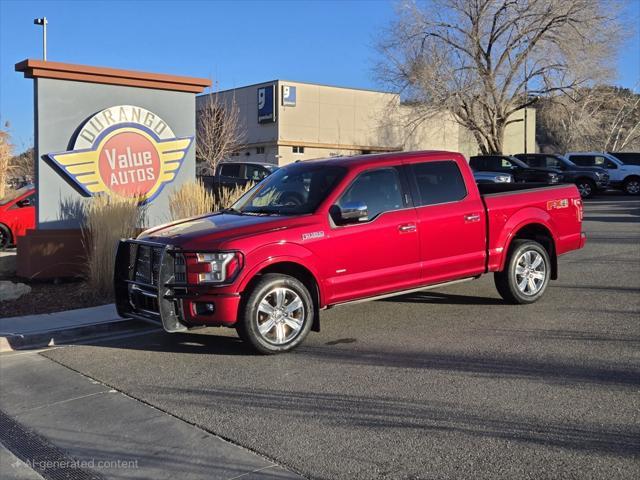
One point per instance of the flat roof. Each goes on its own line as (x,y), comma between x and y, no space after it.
(303,83)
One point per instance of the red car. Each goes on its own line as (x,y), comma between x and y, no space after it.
(17,215)
(366,227)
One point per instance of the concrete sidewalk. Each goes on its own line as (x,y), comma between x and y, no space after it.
(37,331)
(54,417)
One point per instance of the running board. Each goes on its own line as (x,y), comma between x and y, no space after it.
(402,292)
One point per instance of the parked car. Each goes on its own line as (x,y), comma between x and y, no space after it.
(589,180)
(521,171)
(628,158)
(492,177)
(17,215)
(622,176)
(369,227)
(232,174)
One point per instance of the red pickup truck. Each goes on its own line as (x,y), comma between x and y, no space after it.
(360,228)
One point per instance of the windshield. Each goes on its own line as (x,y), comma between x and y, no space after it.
(11,196)
(293,190)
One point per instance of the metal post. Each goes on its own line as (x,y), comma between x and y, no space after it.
(43,21)
(526,98)
(44,39)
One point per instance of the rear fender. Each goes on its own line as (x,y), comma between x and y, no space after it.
(499,248)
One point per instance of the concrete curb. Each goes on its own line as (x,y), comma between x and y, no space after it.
(72,326)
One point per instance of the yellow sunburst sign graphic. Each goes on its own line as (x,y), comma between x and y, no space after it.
(125,151)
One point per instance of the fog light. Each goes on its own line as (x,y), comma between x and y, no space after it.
(205,308)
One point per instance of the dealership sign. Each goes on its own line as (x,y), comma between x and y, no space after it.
(126,151)
(266,104)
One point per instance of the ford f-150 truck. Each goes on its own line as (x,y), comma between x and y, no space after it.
(368,227)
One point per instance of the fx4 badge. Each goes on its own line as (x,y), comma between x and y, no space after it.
(557,204)
(312,235)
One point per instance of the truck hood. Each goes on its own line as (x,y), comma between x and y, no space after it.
(211,230)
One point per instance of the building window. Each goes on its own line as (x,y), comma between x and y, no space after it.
(259,150)
(235,154)
(298,149)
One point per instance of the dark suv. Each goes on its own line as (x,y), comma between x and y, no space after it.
(521,171)
(589,180)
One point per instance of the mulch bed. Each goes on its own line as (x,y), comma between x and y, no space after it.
(50,297)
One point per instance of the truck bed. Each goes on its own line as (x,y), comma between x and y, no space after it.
(556,208)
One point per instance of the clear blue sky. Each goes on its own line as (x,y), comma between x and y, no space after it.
(233,42)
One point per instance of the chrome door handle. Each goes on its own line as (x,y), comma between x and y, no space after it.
(472,217)
(407,227)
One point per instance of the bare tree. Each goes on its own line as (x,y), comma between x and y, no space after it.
(483,60)
(218,129)
(22,165)
(6,151)
(601,118)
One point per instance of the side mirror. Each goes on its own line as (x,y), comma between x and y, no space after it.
(611,165)
(353,212)
(24,203)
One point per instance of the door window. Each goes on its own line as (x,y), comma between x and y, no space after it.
(379,190)
(256,173)
(589,160)
(230,170)
(439,182)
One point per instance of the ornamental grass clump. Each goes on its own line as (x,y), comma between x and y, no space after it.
(190,200)
(107,219)
(227,196)
(193,199)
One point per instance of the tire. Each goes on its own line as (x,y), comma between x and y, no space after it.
(266,305)
(5,237)
(526,257)
(632,186)
(586,187)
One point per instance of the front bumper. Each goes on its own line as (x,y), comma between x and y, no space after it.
(159,297)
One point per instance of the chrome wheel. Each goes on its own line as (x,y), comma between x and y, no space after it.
(531,272)
(584,189)
(4,238)
(280,316)
(633,187)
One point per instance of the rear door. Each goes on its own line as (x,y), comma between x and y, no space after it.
(451,221)
(380,254)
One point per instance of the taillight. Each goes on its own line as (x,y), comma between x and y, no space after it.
(579,209)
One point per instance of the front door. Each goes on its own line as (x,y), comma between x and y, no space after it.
(378,255)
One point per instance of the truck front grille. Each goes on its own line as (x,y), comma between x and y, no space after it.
(147,265)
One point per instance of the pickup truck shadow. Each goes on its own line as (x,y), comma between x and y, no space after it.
(443,298)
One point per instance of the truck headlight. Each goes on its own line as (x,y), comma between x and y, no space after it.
(503,178)
(217,267)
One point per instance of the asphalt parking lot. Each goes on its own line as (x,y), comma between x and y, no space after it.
(446,384)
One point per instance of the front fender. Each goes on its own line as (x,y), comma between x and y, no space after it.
(274,253)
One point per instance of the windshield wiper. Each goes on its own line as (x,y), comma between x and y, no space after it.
(231,210)
(261,211)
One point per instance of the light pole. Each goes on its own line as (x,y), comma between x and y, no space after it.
(526,94)
(43,21)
